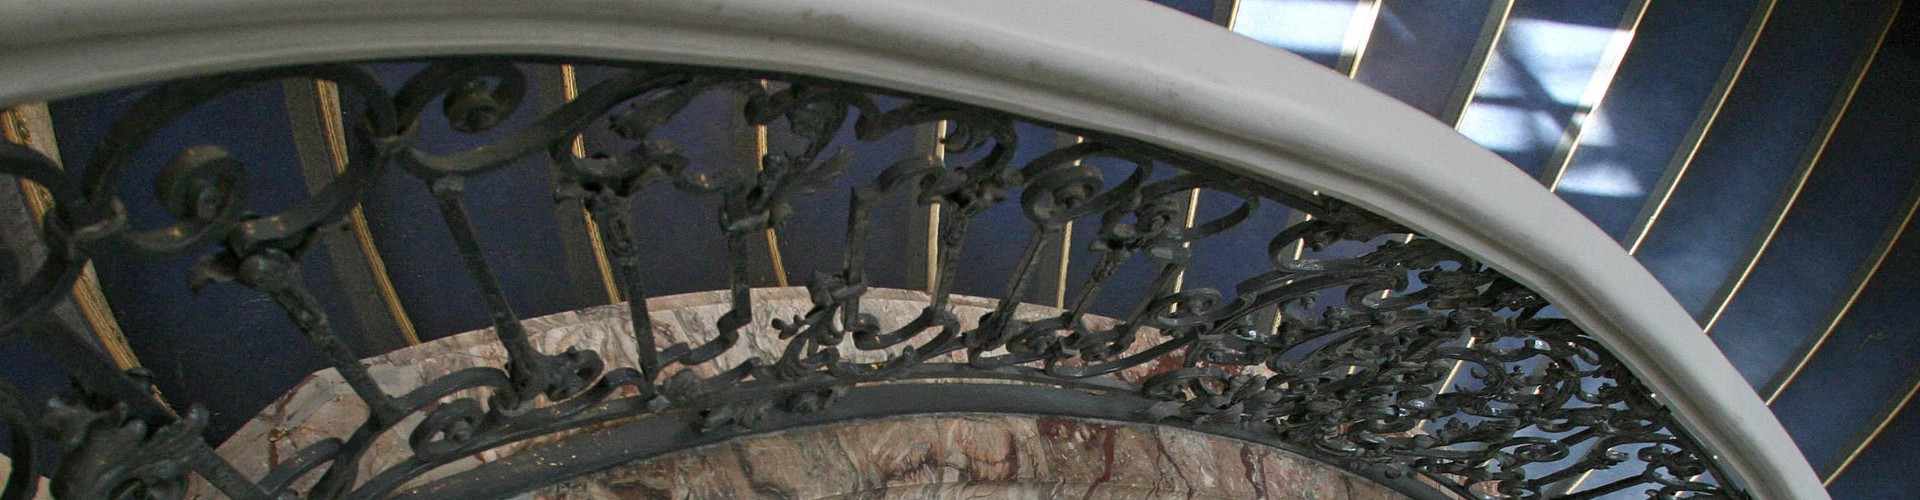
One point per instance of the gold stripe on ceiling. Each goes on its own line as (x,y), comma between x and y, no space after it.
(1225,12)
(1697,134)
(1193,206)
(1884,248)
(335,130)
(1066,251)
(1495,25)
(1193,196)
(1595,94)
(1877,430)
(1464,89)
(773,236)
(30,125)
(1835,115)
(939,148)
(1366,15)
(570,88)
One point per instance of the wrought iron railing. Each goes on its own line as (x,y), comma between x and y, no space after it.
(1400,357)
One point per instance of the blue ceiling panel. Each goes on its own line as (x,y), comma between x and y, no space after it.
(510,209)
(1419,49)
(1538,77)
(1664,84)
(998,237)
(1772,119)
(1862,370)
(1223,261)
(1314,29)
(1858,194)
(815,240)
(1885,468)
(1197,8)
(224,331)
(678,233)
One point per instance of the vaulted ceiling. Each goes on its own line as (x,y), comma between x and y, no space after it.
(1757,156)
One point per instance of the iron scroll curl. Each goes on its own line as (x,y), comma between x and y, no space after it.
(1403,358)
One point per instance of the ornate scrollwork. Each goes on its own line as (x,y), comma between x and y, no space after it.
(110,454)
(1402,358)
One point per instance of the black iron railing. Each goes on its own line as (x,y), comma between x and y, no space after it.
(1401,358)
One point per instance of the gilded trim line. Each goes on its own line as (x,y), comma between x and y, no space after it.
(1230,21)
(1464,91)
(335,130)
(1193,206)
(570,88)
(1225,12)
(1476,68)
(1066,249)
(1595,94)
(1697,134)
(939,151)
(1837,113)
(1877,430)
(30,125)
(1456,108)
(1353,50)
(1860,285)
(773,235)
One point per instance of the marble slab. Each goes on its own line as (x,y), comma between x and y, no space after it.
(323,406)
(974,456)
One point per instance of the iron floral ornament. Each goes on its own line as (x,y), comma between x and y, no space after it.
(1406,359)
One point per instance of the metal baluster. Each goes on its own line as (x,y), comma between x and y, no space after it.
(527,366)
(612,213)
(107,399)
(741,297)
(995,326)
(276,274)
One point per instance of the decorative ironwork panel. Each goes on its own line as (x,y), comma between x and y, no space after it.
(1402,358)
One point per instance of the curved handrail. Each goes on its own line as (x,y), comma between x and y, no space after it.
(1126,68)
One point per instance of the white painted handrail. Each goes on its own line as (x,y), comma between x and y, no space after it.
(1121,66)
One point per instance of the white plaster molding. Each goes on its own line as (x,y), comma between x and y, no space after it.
(1122,66)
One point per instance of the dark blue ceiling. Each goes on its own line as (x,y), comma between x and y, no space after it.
(1812,129)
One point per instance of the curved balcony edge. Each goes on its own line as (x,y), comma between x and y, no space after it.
(1128,68)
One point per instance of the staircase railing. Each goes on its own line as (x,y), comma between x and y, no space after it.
(1351,358)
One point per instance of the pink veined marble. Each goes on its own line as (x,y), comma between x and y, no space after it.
(323,406)
(974,456)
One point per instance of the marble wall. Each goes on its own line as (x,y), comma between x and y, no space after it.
(323,406)
(974,456)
